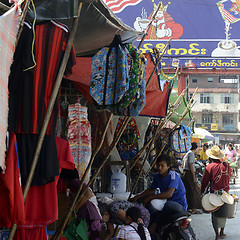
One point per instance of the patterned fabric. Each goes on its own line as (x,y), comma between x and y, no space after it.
(133,62)
(124,205)
(79,137)
(128,232)
(128,143)
(140,99)
(181,139)
(9,23)
(109,75)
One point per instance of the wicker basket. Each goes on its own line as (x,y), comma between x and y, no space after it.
(227,210)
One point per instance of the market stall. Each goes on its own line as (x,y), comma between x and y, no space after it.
(38,110)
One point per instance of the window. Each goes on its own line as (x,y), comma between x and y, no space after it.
(228,79)
(206,98)
(210,79)
(190,96)
(227,98)
(207,118)
(194,80)
(227,119)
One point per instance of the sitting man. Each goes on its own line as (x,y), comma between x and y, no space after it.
(171,188)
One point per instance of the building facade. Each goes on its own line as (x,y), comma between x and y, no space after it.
(216,105)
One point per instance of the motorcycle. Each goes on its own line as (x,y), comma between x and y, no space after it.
(175,225)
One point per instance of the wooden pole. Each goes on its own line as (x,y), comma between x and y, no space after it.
(146,31)
(75,202)
(48,113)
(139,154)
(23,16)
(180,119)
(158,61)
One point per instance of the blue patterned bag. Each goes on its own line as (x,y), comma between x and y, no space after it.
(109,74)
(181,139)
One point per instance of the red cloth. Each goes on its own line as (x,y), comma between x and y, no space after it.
(41,206)
(218,175)
(181,83)
(35,233)
(11,197)
(156,100)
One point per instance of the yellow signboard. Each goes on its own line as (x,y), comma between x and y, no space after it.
(214,127)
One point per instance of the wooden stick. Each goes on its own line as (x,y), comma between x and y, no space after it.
(48,113)
(76,200)
(139,154)
(146,30)
(183,115)
(23,16)
(158,61)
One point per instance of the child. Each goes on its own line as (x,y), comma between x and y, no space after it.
(115,213)
(134,228)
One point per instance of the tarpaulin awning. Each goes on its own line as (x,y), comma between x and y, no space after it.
(156,100)
(97,24)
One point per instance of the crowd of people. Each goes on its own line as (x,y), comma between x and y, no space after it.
(138,218)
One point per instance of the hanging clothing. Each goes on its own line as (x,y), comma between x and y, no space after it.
(128,143)
(9,23)
(30,84)
(41,206)
(11,197)
(47,165)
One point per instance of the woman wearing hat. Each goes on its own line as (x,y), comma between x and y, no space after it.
(217,174)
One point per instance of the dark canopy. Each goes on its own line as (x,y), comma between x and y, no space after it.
(97,24)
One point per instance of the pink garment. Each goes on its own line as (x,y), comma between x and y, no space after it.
(230,155)
(9,23)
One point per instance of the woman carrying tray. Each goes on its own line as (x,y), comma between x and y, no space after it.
(217,174)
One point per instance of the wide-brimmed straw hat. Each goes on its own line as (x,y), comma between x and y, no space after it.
(215,152)
(206,204)
(227,198)
(216,200)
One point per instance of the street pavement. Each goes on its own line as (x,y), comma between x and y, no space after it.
(202,226)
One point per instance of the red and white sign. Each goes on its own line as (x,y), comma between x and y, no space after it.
(118,5)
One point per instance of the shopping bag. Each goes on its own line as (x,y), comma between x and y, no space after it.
(181,139)
(77,230)
(109,74)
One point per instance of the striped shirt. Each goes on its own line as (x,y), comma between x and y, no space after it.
(30,90)
(129,233)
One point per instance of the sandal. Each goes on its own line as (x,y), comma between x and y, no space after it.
(222,236)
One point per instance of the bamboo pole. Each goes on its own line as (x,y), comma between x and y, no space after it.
(139,154)
(48,113)
(179,121)
(158,61)
(76,201)
(146,30)
(160,126)
(23,16)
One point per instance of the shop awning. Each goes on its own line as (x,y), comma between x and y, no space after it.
(97,24)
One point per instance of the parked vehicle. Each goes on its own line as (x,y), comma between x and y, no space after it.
(176,227)
(200,167)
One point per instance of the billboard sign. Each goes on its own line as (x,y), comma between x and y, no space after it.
(205,33)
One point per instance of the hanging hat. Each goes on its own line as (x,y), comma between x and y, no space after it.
(215,152)
(207,206)
(227,198)
(216,200)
